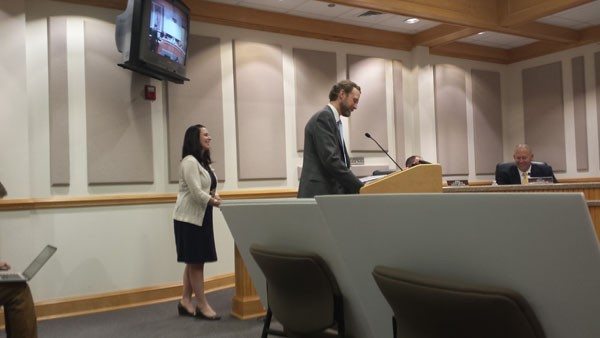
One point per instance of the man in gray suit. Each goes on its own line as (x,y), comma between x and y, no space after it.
(326,164)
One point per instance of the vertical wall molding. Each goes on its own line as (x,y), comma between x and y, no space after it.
(579,110)
(399,118)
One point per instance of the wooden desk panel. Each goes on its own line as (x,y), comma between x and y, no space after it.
(591,192)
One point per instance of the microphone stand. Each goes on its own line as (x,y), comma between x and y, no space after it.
(385,152)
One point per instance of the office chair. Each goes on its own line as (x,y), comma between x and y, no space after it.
(302,294)
(434,308)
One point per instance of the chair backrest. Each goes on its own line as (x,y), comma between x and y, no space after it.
(425,308)
(301,289)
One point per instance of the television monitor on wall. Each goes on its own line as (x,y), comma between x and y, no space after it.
(152,36)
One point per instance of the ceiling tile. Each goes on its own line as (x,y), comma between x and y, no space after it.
(354,16)
(278,5)
(321,9)
(498,40)
(576,18)
(562,22)
(396,23)
(263,7)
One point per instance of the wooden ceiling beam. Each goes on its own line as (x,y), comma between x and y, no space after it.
(516,12)
(443,34)
(231,15)
(471,13)
(588,35)
(535,49)
(542,31)
(472,52)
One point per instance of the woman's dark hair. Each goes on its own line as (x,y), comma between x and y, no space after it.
(192,146)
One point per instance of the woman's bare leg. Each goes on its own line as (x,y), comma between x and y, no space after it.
(196,273)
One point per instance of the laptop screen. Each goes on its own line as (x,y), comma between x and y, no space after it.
(39,261)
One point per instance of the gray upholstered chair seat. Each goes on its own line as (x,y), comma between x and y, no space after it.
(302,293)
(426,307)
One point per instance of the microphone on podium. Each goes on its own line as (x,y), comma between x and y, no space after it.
(380,147)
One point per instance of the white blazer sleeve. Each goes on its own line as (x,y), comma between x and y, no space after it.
(192,175)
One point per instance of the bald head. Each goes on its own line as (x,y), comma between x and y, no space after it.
(523,156)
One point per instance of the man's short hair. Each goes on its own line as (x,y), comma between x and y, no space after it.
(345,85)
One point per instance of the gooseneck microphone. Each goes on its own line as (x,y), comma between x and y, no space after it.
(380,147)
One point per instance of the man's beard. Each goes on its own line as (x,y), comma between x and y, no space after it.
(345,110)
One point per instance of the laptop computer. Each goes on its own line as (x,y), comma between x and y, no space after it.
(32,269)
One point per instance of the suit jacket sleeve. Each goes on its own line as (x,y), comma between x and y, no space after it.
(502,174)
(328,151)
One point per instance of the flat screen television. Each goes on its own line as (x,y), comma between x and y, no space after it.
(152,36)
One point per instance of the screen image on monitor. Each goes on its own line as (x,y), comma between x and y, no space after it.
(152,36)
(168,31)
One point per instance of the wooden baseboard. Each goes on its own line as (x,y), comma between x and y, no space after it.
(110,301)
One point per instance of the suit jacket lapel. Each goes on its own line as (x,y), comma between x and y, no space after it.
(516,175)
(535,172)
(341,145)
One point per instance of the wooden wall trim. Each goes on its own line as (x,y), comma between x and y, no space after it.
(131,199)
(75,306)
(164,198)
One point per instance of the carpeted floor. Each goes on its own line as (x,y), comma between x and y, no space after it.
(158,320)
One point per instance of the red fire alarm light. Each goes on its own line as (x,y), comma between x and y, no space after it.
(150,92)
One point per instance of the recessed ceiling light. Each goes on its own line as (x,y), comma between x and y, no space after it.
(410,21)
(480,33)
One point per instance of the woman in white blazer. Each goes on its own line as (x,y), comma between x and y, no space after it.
(193,222)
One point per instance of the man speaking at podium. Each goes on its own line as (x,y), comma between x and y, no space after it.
(326,164)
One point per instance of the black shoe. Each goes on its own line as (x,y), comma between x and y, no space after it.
(183,311)
(201,315)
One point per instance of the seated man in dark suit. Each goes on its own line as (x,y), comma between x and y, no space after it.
(519,171)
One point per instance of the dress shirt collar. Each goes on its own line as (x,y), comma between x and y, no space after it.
(336,115)
(528,172)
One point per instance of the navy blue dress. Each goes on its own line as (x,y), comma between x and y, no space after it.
(196,244)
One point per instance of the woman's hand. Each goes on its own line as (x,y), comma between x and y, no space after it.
(215,201)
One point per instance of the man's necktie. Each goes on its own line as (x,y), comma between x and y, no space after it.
(525,179)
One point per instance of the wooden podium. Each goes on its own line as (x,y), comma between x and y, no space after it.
(420,178)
